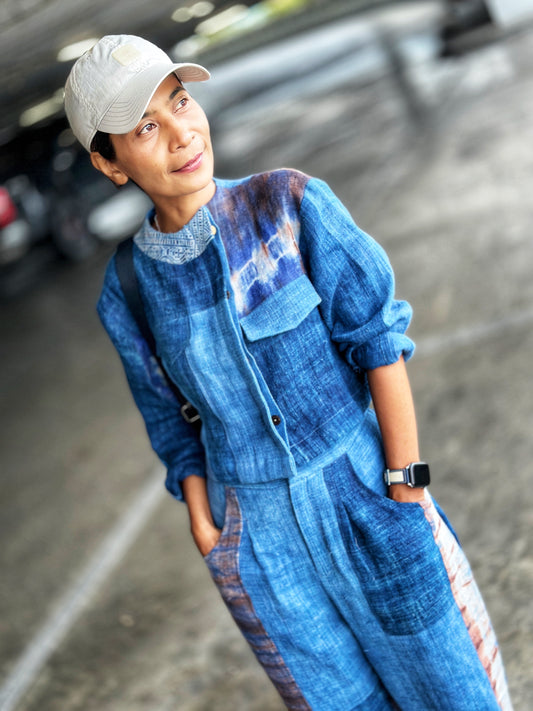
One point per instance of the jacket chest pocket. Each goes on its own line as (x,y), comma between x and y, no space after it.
(283,311)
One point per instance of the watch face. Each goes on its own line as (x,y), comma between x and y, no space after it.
(420,474)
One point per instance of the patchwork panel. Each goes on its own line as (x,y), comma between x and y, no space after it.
(260,225)
(470,603)
(223,563)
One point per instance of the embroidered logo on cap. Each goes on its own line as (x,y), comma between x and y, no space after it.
(126,55)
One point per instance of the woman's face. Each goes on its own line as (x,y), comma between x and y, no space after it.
(169,153)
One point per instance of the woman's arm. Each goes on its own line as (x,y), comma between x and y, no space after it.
(175,442)
(393,403)
(203,529)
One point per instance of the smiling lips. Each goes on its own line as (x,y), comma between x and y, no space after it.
(191,165)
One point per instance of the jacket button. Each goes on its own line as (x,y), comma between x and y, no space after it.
(276,419)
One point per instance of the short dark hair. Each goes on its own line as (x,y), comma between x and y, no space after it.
(102,144)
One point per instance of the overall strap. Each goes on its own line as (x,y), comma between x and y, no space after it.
(130,286)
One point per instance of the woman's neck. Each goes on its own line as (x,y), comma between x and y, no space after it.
(173,215)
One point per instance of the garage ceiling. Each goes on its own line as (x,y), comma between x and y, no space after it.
(33,31)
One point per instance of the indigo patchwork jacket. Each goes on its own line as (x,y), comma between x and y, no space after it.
(267,308)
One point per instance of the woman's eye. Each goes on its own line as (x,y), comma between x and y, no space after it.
(146,128)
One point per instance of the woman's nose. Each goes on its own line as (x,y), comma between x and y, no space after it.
(180,134)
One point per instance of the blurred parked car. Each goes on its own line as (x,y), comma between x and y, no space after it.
(108,213)
(24,233)
(59,206)
(23,218)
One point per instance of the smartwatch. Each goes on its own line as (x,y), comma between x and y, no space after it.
(415,474)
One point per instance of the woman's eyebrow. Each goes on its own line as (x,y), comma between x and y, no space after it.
(176,91)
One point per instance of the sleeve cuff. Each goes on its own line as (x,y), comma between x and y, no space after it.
(175,477)
(385,349)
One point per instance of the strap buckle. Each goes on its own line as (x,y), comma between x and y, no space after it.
(189,413)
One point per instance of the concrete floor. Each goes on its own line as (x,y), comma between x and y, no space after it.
(446,190)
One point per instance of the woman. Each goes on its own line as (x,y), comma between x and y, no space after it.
(275,316)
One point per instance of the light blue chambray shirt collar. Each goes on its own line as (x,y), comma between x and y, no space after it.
(176,247)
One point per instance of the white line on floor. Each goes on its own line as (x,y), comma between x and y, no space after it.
(71,604)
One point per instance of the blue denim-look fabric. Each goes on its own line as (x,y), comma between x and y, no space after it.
(351,590)
(281,313)
(273,303)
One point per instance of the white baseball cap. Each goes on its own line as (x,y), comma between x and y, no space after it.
(110,86)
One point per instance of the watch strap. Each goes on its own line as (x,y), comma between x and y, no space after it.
(415,474)
(396,476)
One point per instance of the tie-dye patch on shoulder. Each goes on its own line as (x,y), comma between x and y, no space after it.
(259,224)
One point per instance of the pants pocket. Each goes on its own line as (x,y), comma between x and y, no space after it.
(394,555)
(221,559)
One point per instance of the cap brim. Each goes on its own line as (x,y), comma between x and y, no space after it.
(128,108)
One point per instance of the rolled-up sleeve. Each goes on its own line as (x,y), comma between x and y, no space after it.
(353,276)
(176,443)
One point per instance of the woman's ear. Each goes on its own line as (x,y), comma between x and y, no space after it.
(109,169)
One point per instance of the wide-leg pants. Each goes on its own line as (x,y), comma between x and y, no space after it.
(349,599)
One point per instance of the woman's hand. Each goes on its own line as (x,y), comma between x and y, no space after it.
(206,537)
(406,494)
(203,529)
